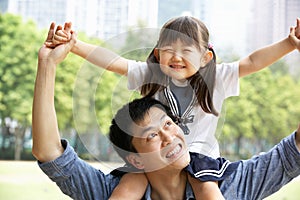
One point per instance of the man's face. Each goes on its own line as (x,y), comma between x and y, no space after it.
(159,142)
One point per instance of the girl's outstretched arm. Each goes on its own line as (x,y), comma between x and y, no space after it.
(266,56)
(101,57)
(97,55)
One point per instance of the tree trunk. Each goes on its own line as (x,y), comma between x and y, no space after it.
(19,140)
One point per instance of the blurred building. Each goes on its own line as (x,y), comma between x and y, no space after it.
(268,20)
(100,18)
(271,21)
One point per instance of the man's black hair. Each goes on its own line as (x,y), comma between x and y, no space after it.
(120,133)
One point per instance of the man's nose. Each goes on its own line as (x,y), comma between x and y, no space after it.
(167,137)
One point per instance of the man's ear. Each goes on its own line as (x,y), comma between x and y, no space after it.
(135,160)
(207,57)
(156,53)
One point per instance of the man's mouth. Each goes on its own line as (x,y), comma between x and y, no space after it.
(175,151)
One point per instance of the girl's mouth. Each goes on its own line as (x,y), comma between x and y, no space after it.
(177,66)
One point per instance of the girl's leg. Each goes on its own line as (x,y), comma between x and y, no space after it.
(131,186)
(205,190)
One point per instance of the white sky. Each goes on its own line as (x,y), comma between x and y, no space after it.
(228,23)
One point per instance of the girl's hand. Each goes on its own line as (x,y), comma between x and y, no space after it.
(60,35)
(295,35)
(52,52)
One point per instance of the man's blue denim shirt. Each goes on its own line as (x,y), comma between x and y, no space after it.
(79,180)
(256,178)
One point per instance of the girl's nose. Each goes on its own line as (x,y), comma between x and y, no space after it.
(176,56)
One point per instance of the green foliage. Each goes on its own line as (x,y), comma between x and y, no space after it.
(19,44)
(139,43)
(65,79)
(266,111)
(98,94)
(86,97)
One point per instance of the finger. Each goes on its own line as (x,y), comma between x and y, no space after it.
(72,41)
(59,36)
(67,29)
(292,35)
(49,44)
(68,26)
(294,39)
(50,32)
(59,28)
(60,39)
(297,30)
(297,33)
(292,31)
(61,33)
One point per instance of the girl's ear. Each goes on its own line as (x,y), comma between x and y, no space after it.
(135,160)
(207,57)
(156,53)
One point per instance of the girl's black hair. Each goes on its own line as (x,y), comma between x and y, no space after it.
(192,32)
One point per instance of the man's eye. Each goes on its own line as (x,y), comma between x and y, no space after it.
(168,123)
(151,136)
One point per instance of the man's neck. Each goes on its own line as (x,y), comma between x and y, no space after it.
(167,185)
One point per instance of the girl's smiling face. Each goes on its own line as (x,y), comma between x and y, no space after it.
(179,60)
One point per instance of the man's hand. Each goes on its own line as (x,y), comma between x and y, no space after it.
(52,52)
(60,35)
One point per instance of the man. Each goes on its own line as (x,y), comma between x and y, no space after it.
(150,141)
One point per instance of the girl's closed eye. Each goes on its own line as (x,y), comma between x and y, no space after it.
(167,50)
(188,49)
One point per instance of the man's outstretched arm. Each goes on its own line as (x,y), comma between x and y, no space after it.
(45,134)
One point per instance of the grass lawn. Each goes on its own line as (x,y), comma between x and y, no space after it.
(288,192)
(22,180)
(25,181)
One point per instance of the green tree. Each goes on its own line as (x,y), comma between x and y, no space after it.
(18,45)
(266,110)
(139,42)
(83,92)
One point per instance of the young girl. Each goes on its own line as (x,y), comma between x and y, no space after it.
(181,71)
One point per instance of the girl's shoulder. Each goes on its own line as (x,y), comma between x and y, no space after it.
(228,64)
(225,68)
(136,64)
